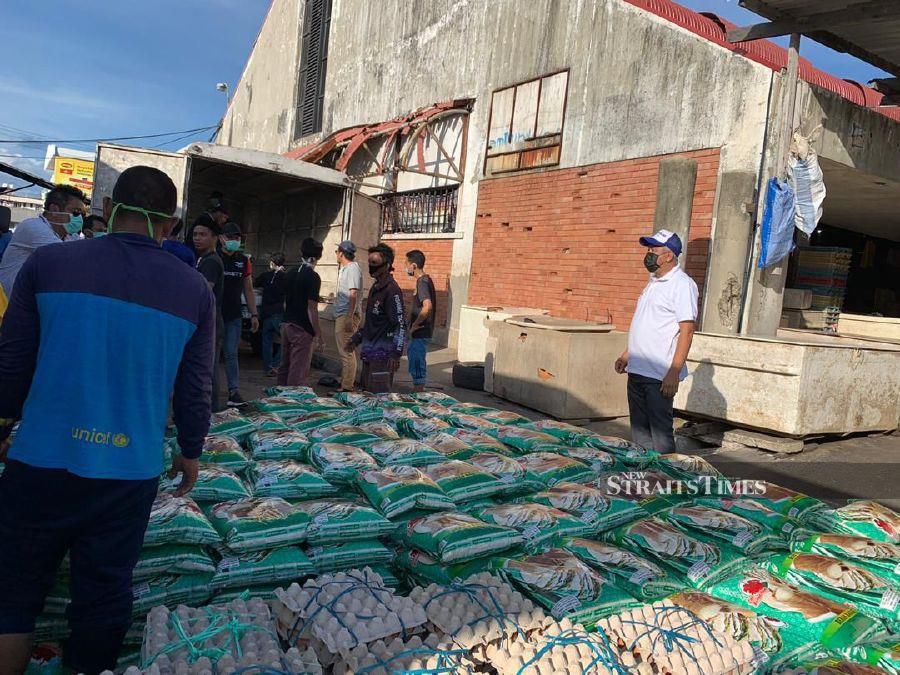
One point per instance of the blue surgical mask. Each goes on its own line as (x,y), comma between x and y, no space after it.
(232,245)
(99,234)
(75,224)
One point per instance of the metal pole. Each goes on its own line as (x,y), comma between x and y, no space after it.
(791,78)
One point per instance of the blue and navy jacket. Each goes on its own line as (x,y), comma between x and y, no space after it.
(98,335)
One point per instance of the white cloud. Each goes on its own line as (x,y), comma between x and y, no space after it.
(76,103)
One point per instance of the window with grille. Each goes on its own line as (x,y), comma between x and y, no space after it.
(427,211)
(311,99)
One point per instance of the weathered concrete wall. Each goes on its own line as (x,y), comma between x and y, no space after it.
(263,104)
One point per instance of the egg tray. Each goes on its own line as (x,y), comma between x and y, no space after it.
(293,661)
(674,641)
(477,611)
(344,610)
(433,655)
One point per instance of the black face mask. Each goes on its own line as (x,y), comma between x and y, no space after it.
(651,261)
(374,269)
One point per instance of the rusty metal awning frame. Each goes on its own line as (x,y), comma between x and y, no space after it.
(866,29)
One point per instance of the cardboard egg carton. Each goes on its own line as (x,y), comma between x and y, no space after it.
(334,613)
(477,611)
(696,647)
(434,654)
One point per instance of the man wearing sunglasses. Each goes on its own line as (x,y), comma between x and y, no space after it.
(62,220)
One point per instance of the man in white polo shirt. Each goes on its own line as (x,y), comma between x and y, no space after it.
(658,343)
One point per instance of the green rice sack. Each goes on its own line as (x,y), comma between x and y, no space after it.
(453,537)
(884,654)
(170,590)
(433,410)
(322,404)
(278,444)
(741,533)
(630,454)
(288,479)
(462,481)
(388,577)
(448,445)
(394,415)
(699,561)
(266,592)
(258,523)
(424,569)
(803,619)
(280,565)
(524,440)
(566,434)
(306,422)
(505,417)
(397,489)
(876,556)
(355,399)
(599,461)
(340,463)
(595,509)
(172,559)
(536,522)
(741,622)
(817,664)
(551,468)
(470,422)
(178,520)
(349,555)
(639,577)
(266,421)
(785,501)
(479,442)
(383,430)
(393,400)
(342,520)
(419,427)
(686,467)
(514,476)
(405,451)
(214,484)
(438,397)
(864,518)
(230,421)
(361,417)
(560,582)
(224,451)
(653,491)
(301,393)
(345,434)
(838,580)
(751,509)
(472,409)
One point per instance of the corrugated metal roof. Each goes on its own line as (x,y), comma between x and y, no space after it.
(875,40)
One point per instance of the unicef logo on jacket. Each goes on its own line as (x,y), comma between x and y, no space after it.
(95,437)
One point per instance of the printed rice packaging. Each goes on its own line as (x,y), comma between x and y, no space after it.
(630,454)
(424,569)
(266,421)
(864,518)
(641,578)
(686,467)
(453,537)
(505,417)
(259,523)
(786,501)
(345,434)
(172,559)
(752,509)
(214,484)
(884,654)
(472,409)
(394,400)
(340,463)
(224,451)
(599,461)
(433,410)
(537,523)
(349,555)
(699,561)
(419,427)
(730,528)
(876,556)
(397,489)
(524,440)
(438,397)
(470,422)
(405,451)
(287,391)
(590,505)
(230,421)
(307,421)
(448,445)
(462,481)
(278,444)
(560,582)
(280,565)
(169,589)
(383,430)
(288,479)
(551,468)
(653,491)
(342,520)
(515,477)
(479,442)
(355,399)
(566,434)
(178,520)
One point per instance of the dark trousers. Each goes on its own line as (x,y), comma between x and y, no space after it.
(45,513)
(651,414)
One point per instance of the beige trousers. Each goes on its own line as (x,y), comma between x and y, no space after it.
(344,328)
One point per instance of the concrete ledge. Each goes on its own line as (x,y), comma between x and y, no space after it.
(424,235)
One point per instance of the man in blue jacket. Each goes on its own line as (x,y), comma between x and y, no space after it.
(98,335)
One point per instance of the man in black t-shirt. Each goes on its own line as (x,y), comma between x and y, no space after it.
(271,313)
(421,318)
(300,330)
(238,281)
(214,218)
(209,264)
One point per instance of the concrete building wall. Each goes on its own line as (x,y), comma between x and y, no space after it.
(263,105)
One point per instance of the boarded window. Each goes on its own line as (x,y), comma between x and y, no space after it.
(311,96)
(526,125)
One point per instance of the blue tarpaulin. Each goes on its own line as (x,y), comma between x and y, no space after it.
(777,223)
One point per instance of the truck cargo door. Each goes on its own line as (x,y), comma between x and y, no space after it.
(112,160)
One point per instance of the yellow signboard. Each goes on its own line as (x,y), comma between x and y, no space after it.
(76,172)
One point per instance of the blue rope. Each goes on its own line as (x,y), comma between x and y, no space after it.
(674,637)
(448,663)
(471,590)
(603,650)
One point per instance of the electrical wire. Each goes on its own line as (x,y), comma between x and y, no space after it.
(117,138)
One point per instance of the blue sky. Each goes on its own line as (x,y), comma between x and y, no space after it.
(104,68)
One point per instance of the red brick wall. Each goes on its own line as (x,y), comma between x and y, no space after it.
(566,240)
(438,254)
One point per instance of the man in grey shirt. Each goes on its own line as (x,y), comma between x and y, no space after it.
(62,219)
(347,314)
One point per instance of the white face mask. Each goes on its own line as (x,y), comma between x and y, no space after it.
(310,261)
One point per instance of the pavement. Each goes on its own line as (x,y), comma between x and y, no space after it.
(834,469)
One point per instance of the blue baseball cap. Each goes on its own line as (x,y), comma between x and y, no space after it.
(347,247)
(664,238)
